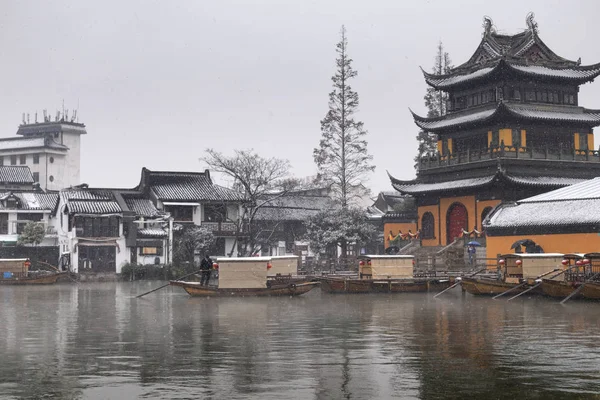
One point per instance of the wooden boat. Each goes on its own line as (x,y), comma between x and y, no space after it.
(15,271)
(516,271)
(248,276)
(292,289)
(38,279)
(383,274)
(581,272)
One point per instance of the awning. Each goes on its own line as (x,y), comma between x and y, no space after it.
(97,243)
(174,203)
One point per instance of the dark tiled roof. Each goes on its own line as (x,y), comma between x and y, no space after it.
(519,110)
(90,201)
(293,208)
(33,200)
(15,174)
(93,207)
(188,186)
(141,207)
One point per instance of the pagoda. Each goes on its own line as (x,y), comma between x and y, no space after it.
(514,129)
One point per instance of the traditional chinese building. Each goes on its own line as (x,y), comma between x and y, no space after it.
(514,129)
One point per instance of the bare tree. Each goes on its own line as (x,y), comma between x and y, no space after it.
(342,156)
(260,180)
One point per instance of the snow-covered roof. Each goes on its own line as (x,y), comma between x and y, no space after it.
(575,205)
(414,188)
(152,233)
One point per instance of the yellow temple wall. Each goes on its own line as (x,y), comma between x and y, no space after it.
(436,227)
(551,243)
(591,141)
(505,135)
(576,141)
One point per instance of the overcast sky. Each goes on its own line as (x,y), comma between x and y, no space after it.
(157,82)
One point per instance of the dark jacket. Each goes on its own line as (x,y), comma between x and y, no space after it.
(206,264)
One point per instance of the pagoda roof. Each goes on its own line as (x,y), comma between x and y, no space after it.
(417,187)
(576,74)
(523,53)
(535,112)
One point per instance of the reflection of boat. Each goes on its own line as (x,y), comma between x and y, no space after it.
(516,271)
(15,271)
(292,289)
(248,276)
(383,274)
(583,270)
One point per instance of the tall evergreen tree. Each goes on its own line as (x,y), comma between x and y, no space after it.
(436,102)
(342,158)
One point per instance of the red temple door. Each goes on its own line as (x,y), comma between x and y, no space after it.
(455,222)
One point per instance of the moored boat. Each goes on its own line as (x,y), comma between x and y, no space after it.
(247,276)
(519,272)
(581,280)
(15,271)
(383,274)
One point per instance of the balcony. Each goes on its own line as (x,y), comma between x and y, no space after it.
(526,153)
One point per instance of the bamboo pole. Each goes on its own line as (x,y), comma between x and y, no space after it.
(163,286)
(574,292)
(458,281)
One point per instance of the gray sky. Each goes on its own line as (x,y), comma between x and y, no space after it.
(157,82)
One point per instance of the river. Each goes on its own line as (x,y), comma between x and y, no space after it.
(97,341)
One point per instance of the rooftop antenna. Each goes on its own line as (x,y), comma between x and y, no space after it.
(35,117)
(63,109)
(23,118)
(74,116)
(57,116)
(45,115)
(66,115)
(28,118)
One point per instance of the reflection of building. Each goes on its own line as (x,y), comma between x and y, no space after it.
(566,220)
(514,129)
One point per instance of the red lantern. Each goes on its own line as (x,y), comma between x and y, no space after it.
(586,261)
(413,262)
(215,266)
(369,263)
(565,262)
(518,262)
(361,263)
(579,263)
(501,261)
(269,266)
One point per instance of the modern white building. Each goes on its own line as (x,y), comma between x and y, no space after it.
(51,150)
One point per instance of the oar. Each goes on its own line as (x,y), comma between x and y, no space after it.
(521,285)
(163,286)
(458,281)
(574,292)
(525,291)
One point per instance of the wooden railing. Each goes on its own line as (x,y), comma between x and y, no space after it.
(224,228)
(502,151)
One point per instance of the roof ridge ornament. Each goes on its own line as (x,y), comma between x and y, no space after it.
(488,26)
(531,24)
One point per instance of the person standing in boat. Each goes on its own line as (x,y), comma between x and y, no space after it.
(205,266)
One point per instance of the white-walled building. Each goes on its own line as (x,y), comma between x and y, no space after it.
(51,150)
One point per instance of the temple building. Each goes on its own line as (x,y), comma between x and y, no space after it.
(514,129)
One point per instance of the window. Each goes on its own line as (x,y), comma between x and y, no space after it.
(444,147)
(516,94)
(97,226)
(36,176)
(583,141)
(181,213)
(495,139)
(516,138)
(428,226)
(150,251)
(51,179)
(23,159)
(51,159)
(215,212)
(530,95)
(1,160)
(3,224)
(571,99)
(36,158)
(24,218)
(13,160)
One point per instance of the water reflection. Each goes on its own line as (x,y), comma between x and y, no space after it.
(99,341)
